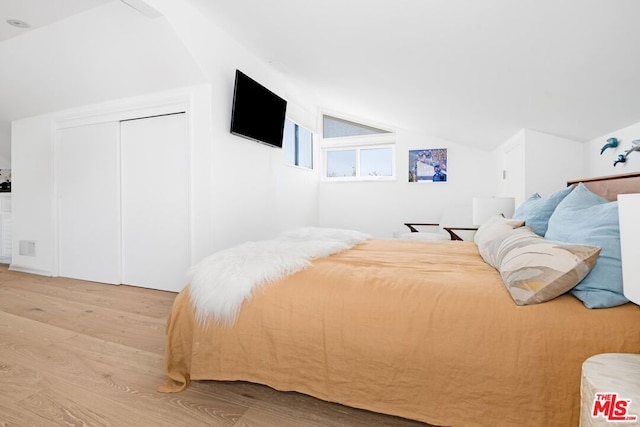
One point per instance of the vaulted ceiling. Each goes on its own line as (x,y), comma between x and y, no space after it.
(468,71)
(35,14)
(80,52)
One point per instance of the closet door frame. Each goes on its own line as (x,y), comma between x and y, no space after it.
(156,105)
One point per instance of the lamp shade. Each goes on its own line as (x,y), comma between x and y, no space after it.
(486,207)
(628,209)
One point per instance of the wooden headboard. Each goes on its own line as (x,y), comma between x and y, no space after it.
(610,186)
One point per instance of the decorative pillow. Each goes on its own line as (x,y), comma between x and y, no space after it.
(490,235)
(585,218)
(536,270)
(536,210)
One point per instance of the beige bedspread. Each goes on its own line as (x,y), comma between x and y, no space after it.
(420,330)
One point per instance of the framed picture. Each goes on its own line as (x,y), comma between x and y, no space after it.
(428,165)
(5,180)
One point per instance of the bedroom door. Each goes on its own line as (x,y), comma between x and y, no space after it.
(155,202)
(514,173)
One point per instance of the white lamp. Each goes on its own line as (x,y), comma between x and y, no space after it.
(486,207)
(629,216)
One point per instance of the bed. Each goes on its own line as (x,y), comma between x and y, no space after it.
(426,331)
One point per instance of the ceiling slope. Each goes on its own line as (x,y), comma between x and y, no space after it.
(107,52)
(468,71)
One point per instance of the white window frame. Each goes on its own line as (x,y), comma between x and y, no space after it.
(314,143)
(358,143)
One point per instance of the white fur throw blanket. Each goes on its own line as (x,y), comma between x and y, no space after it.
(222,281)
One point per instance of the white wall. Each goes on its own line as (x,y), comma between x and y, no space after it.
(242,190)
(602,165)
(551,161)
(382,207)
(256,195)
(32,191)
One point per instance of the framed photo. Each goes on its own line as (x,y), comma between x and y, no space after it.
(5,180)
(428,165)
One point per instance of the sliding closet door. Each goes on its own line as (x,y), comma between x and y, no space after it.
(155,202)
(88,183)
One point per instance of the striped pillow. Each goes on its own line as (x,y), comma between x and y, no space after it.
(536,270)
(491,233)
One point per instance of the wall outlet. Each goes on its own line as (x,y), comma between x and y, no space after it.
(396,234)
(27,248)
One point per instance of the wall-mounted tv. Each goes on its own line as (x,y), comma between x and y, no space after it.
(258,114)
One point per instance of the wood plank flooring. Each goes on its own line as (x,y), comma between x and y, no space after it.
(75,353)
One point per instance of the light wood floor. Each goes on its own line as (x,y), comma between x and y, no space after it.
(76,353)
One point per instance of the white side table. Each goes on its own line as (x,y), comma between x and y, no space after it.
(610,390)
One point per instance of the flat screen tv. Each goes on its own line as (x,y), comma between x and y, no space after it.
(258,114)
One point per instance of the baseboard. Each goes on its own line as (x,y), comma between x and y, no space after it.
(30,270)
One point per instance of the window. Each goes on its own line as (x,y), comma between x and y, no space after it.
(353,151)
(376,161)
(341,163)
(298,145)
(360,162)
(333,127)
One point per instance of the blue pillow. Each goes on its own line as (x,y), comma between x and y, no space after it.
(585,218)
(536,210)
